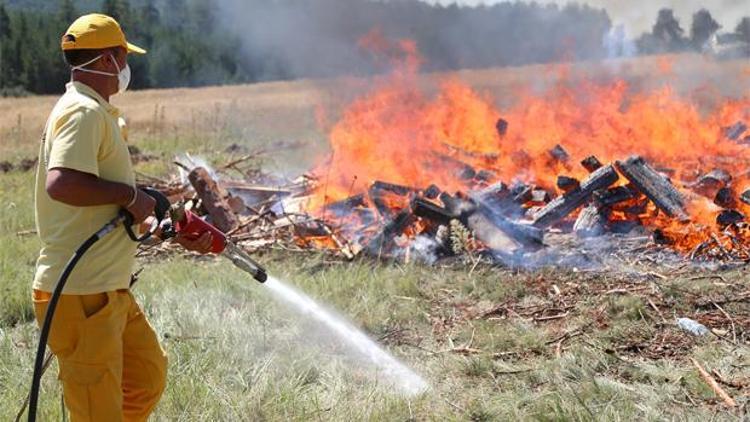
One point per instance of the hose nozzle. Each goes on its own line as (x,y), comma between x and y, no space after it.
(244,262)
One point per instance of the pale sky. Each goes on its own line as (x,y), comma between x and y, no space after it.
(640,15)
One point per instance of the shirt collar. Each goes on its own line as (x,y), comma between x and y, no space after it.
(86,90)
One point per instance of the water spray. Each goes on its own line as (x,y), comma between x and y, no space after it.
(185,223)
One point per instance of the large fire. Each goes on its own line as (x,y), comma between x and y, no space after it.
(407,135)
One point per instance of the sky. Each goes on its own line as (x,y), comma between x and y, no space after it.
(639,15)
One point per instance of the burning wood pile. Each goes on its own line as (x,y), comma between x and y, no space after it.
(417,173)
(488,217)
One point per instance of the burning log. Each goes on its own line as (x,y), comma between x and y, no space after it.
(485,219)
(591,222)
(212,196)
(559,154)
(591,164)
(392,187)
(725,198)
(522,194)
(466,172)
(457,206)
(539,197)
(710,183)
(655,186)
(485,176)
(504,200)
(502,127)
(567,184)
(563,205)
(613,196)
(346,205)
(378,191)
(431,192)
(729,217)
(428,210)
(745,197)
(735,131)
(489,226)
(383,241)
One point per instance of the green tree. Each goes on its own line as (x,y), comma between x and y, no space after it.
(67,12)
(668,32)
(118,9)
(4,22)
(743,29)
(704,26)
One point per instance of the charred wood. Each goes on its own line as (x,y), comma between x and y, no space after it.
(432,212)
(526,235)
(466,172)
(613,196)
(567,184)
(485,176)
(522,194)
(591,222)
(725,198)
(457,206)
(384,240)
(591,164)
(213,198)
(558,153)
(729,217)
(539,197)
(563,205)
(735,131)
(431,192)
(392,187)
(745,197)
(710,183)
(346,205)
(655,186)
(502,127)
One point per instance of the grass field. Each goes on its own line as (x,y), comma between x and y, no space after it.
(493,343)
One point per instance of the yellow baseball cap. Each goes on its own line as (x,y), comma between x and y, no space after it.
(96,31)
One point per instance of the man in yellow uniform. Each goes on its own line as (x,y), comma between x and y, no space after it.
(111,364)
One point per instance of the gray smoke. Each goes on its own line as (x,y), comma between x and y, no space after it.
(286,39)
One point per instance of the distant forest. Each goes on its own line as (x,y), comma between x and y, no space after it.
(213,42)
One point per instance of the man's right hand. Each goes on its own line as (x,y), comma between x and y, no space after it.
(143,207)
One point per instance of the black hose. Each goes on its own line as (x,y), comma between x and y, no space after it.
(44,335)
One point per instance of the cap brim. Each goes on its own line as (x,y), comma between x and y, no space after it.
(132,48)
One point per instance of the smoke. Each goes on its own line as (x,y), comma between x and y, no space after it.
(288,39)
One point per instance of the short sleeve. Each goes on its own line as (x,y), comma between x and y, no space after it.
(76,142)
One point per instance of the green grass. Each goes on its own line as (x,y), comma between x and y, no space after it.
(236,354)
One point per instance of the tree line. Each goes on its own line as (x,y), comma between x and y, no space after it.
(212,42)
(669,36)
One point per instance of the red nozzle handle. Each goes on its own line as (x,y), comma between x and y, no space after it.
(193,227)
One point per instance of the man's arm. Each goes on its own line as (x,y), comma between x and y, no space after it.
(79,189)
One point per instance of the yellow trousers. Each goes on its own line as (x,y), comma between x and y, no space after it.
(112,367)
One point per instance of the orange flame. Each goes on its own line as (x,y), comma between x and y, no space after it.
(402,134)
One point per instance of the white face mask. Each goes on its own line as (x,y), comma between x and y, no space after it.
(123,76)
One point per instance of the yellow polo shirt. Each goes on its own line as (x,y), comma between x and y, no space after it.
(84,133)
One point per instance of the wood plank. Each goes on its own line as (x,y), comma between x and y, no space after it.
(565,204)
(654,185)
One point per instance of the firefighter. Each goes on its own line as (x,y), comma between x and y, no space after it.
(111,365)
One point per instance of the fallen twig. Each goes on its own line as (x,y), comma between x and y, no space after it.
(729,401)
